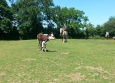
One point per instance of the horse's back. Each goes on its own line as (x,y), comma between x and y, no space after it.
(65,33)
(42,37)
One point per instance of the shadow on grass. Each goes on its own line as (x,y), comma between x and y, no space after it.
(51,51)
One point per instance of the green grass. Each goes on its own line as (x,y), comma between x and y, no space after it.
(77,61)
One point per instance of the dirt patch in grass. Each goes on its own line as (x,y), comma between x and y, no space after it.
(74,77)
(65,53)
(97,72)
(2,74)
(103,73)
(98,69)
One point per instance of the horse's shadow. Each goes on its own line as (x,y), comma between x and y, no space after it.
(51,51)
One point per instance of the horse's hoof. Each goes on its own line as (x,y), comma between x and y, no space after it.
(39,49)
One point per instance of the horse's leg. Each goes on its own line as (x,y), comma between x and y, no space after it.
(40,45)
(106,36)
(43,46)
(63,39)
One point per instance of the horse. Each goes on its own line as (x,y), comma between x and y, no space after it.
(114,37)
(107,35)
(63,34)
(42,39)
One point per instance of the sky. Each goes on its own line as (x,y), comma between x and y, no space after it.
(97,11)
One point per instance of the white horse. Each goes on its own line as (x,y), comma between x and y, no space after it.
(114,37)
(63,34)
(107,35)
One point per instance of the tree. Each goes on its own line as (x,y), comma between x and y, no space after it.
(90,30)
(30,15)
(73,19)
(98,30)
(6,25)
(6,17)
(110,26)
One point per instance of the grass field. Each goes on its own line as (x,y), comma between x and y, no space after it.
(76,61)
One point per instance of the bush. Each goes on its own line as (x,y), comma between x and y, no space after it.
(96,37)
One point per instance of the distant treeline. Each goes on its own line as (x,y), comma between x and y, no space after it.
(24,19)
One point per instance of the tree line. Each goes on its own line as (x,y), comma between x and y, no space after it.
(24,19)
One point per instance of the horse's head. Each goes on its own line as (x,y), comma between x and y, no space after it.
(51,37)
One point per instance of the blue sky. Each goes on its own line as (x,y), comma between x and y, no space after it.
(98,11)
